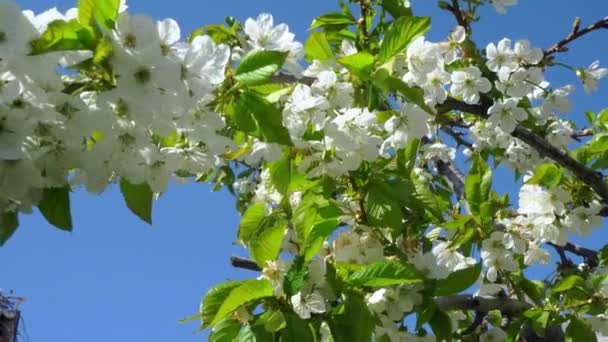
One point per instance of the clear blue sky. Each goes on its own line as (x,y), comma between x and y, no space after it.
(116,279)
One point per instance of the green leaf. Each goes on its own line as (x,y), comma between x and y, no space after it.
(253,334)
(225,331)
(400,33)
(64,35)
(425,313)
(9,221)
(272,321)
(388,83)
(458,281)
(580,330)
(548,175)
(247,292)
(139,199)
(598,144)
(359,64)
(317,47)
(266,244)
(258,66)
(318,234)
(385,273)
(255,110)
(294,279)
(383,211)
(441,324)
(297,329)
(331,19)
(218,32)
(214,299)
(478,184)
(55,207)
(603,255)
(280,173)
(254,219)
(396,8)
(352,320)
(104,12)
(570,282)
(312,210)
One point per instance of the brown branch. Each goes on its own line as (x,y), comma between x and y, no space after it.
(589,255)
(244,263)
(457,136)
(591,178)
(285,78)
(574,34)
(506,305)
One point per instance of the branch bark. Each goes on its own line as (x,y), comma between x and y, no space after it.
(591,178)
(575,34)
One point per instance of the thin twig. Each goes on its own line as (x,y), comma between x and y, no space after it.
(574,34)
(460,141)
(479,316)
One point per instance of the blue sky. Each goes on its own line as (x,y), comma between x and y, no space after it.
(115,278)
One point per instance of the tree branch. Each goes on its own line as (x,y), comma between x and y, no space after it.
(244,263)
(591,178)
(574,34)
(506,305)
(590,256)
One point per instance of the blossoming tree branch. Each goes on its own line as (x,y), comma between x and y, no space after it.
(341,155)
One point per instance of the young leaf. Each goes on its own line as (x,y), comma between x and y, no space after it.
(396,8)
(441,324)
(214,299)
(247,292)
(385,273)
(280,173)
(9,221)
(401,32)
(297,329)
(55,207)
(225,331)
(259,65)
(294,279)
(319,233)
(64,35)
(104,12)
(382,210)
(331,19)
(478,184)
(548,175)
(317,47)
(388,83)
(267,118)
(138,198)
(458,281)
(253,220)
(352,320)
(580,330)
(359,64)
(570,282)
(267,243)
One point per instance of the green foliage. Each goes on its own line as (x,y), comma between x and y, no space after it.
(138,198)
(441,325)
(388,83)
(548,175)
(65,35)
(332,19)
(55,207)
(386,273)
(247,292)
(579,330)
(213,300)
(102,12)
(458,281)
(265,244)
(317,47)
(294,279)
(260,118)
(258,66)
(352,321)
(225,331)
(359,64)
(8,225)
(478,184)
(400,33)
(396,8)
(318,234)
